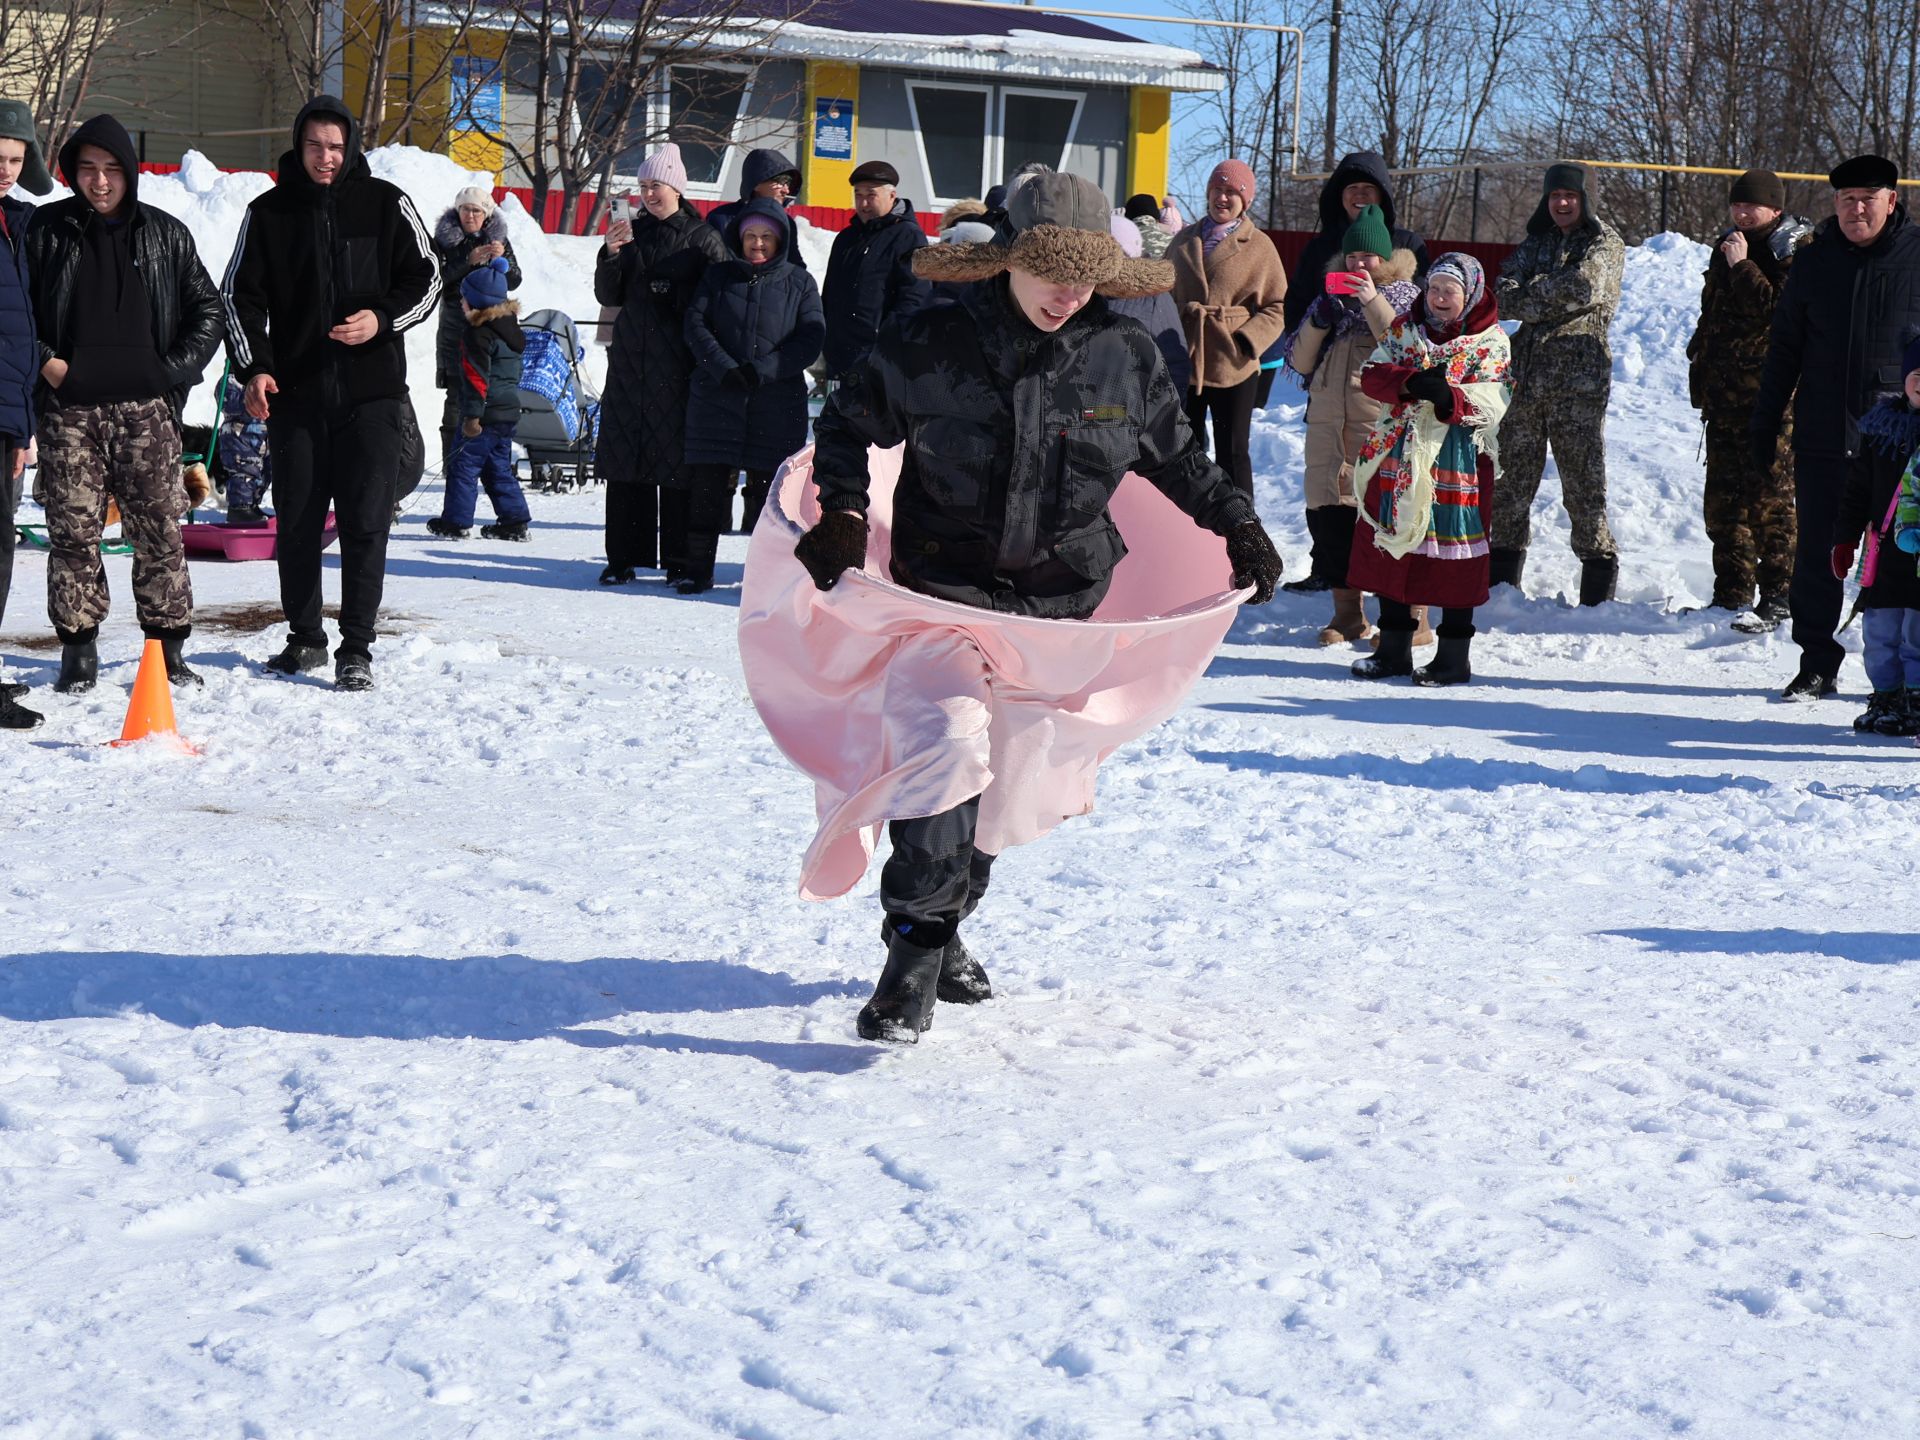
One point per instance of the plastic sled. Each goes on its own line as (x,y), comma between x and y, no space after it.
(257,542)
(36,536)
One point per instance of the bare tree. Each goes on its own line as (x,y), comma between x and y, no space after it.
(55,50)
(1239,119)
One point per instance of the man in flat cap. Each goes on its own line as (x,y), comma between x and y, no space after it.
(870,278)
(20,164)
(1835,348)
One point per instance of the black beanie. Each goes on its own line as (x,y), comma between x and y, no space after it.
(1142,205)
(1759,187)
(1865,172)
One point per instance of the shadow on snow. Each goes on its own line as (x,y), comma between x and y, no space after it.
(1863,947)
(416,997)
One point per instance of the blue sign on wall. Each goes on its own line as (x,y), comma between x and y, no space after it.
(832,129)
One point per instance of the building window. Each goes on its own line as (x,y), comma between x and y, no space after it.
(951,122)
(703,106)
(1036,125)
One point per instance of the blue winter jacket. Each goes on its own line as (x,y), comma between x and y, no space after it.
(765,319)
(19,345)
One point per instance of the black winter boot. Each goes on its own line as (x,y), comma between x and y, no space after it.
(617,575)
(505,530)
(1883,706)
(79,668)
(15,716)
(1505,567)
(298,658)
(352,670)
(178,674)
(1598,574)
(446,529)
(902,1003)
(1394,657)
(1903,722)
(963,979)
(1449,665)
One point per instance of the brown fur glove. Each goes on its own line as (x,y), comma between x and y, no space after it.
(837,544)
(1255,562)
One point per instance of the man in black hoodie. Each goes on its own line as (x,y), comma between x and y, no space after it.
(127,320)
(1834,350)
(764,175)
(331,268)
(1359,180)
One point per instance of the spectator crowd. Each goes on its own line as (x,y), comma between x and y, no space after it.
(1434,390)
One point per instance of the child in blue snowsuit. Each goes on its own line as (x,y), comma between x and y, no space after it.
(488,387)
(244,458)
(1882,501)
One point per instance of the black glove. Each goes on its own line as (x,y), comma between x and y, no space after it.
(1255,562)
(744,377)
(837,544)
(1761,444)
(1431,386)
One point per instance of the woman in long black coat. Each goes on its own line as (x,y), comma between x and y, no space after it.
(649,269)
(754,327)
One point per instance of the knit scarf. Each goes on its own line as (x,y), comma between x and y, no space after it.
(1212,232)
(1477,365)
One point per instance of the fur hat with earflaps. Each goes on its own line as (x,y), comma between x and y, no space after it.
(1057,227)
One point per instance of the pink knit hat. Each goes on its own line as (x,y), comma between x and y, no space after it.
(666,166)
(1236,175)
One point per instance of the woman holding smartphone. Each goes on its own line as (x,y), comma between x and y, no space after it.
(648,270)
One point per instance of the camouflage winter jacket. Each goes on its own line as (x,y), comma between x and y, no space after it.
(1563,288)
(1729,346)
(1015,442)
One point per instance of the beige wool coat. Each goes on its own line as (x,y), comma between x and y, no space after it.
(1339,412)
(1230,302)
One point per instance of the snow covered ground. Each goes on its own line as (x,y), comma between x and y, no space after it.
(1531,1059)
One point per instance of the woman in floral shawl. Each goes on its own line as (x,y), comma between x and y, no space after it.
(1427,469)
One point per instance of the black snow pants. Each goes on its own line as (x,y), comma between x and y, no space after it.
(349,461)
(935,878)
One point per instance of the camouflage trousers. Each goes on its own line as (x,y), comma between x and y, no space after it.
(128,451)
(1575,426)
(1750,517)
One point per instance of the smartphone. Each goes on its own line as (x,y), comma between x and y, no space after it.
(622,208)
(1342,282)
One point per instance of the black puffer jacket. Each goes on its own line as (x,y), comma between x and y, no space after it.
(870,281)
(765,318)
(185,308)
(1016,441)
(1307,280)
(643,414)
(1836,334)
(759,167)
(307,257)
(19,346)
(454,248)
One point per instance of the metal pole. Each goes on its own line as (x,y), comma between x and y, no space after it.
(1333,84)
(1664,178)
(1473,225)
(1273,141)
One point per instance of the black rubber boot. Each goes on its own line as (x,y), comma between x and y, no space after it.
(298,658)
(902,1003)
(177,672)
(1598,575)
(79,668)
(1505,567)
(1315,581)
(1394,657)
(1449,665)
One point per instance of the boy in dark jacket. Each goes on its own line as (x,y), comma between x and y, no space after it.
(331,268)
(488,388)
(20,163)
(1021,407)
(127,320)
(1883,475)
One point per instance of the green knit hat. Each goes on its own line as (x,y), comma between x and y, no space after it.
(1368,233)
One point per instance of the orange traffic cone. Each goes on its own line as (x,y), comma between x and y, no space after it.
(150,711)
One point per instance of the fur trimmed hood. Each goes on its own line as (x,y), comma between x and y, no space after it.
(1401,265)
(1066,257)
(448,232)
(495,312)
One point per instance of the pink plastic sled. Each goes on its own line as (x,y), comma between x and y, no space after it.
(255,543)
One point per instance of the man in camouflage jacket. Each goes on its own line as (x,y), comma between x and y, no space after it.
(1563,285)
(1748,507)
